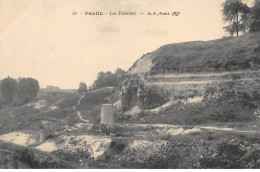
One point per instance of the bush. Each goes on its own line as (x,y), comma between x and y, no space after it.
(8,88)
(254,21)
(82,87)
(77,157)
(257,49)
(27,89)
(17,102)
(109,79)
(117,146)
(26,156)
(232,154)
(176,153)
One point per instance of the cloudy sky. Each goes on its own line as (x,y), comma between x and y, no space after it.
(43,40)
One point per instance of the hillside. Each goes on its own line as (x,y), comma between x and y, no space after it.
(187,105)
(186,70)
(226,54)
(29,133)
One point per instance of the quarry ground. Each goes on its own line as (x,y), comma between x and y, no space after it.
(63,131)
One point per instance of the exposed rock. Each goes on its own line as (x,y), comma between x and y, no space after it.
(136,92)
(18,138)
(183,72)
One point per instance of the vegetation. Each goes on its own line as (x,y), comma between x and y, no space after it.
(240,17)
(235,102)
(92,102)
(235,12)
(231,101)
(18,157)
(82,87)
(227,54)
(254,17)
(19,91)
(205,149)
(27,89)
(108,79)
(8,90)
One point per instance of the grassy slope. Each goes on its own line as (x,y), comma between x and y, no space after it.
(218,55)
(208,149)
(226,54)
(91,104)
(241,97)
(235,103)
(27,118)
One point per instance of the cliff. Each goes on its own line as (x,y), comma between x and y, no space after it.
(184,71)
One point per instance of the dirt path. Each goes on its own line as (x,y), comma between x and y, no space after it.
(78,112)
(11,114)
(209,74)
(193,127)
(168,125)
(79,101)
(80,117)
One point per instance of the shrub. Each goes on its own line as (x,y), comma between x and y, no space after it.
(257,49)
(109,79)
(234,153)
(26,156)
(117,145)
(82,87)
(27,89)
(176,153)
(8,88)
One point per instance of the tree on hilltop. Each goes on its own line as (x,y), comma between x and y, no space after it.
(8,89)
(82,87)
(254,17)
(236,13)
(27,89)
(109,79)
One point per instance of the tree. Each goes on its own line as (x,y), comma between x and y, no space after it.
(109,79)
(254,17)
(120,75)
(236,13)
(27,89)
(8,89)
(82,87)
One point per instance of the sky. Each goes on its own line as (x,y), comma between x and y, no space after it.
(43,40)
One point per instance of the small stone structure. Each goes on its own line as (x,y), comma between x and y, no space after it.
(107,118)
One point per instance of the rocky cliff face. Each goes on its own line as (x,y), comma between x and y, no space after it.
(136,91)
(185,70)
(152,91)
